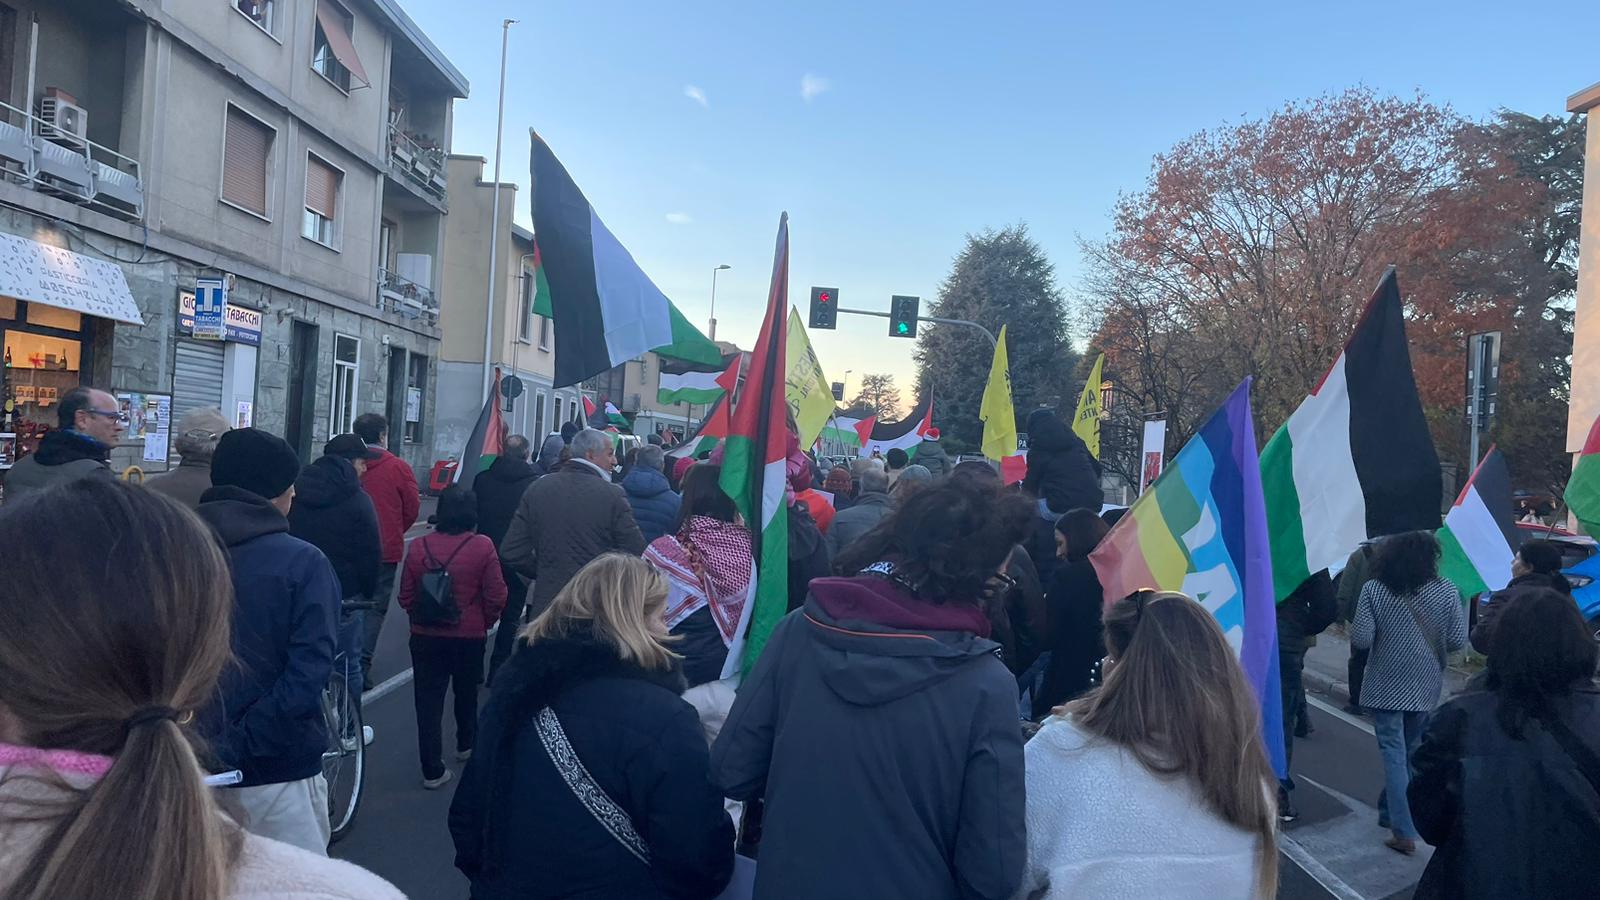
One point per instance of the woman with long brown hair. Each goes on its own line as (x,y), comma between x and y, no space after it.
(1155,784)
(114,615)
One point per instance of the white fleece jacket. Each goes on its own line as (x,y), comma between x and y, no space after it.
(1101,825)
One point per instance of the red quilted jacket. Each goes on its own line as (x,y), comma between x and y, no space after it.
(475,581)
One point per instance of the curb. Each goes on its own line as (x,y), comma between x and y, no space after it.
(1319,683)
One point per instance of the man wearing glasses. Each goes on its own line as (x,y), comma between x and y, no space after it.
(90,424)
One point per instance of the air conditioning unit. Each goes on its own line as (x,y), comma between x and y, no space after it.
(63,121)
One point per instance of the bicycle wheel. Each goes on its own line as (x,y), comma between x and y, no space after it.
(344,764)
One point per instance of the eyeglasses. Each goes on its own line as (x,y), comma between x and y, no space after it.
(109,415)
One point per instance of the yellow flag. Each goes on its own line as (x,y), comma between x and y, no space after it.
(999,418)
(807,391)
(1086,424)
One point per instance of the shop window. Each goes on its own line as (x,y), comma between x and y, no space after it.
(323,183)
(257,11)
(346,377)
(416,393)
(246,157)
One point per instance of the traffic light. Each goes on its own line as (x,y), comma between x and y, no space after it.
(903,312)
(824,307)
(838,390)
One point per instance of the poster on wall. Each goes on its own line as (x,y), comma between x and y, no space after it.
(148,421)
(244,414)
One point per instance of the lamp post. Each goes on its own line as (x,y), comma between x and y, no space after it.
(714,298)
(494,217)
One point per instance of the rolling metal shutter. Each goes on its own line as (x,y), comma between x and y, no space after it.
(245,152)
(196,379)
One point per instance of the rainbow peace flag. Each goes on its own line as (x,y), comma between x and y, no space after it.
(1202,529)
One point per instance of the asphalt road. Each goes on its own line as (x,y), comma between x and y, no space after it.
(1335,850)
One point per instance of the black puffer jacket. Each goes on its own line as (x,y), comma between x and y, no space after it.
(332,513)
(1489,613)
(499,489)
(1509,817)
(1060,470)
(520,831)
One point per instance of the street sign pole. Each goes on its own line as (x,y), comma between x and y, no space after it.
(1483,377)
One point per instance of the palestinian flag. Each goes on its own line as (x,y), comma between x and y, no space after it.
(714,426)
(1479,537)
(1355,461)
(753,461)
(905,434)
(615,417)
(608,311)
(688,382)
(1583,489)
(591,413)
(483,447)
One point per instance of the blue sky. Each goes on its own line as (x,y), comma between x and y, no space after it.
(926,121)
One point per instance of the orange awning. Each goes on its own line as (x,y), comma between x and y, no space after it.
(344,51)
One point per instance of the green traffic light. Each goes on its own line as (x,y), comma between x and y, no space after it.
(901,327)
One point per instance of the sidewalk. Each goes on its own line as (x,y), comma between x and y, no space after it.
(1327,668)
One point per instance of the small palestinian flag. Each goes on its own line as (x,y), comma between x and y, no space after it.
(714,427)
(687,382)
(606,309)
(485,443)
(905,434)
(1583,489)
(1479,538)
(615,417)
(1355,461)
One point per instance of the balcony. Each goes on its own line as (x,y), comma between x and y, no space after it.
(415,161)
(51,155)
(406,297)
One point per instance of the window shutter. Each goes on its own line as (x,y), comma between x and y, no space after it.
(246,148)
(322,187)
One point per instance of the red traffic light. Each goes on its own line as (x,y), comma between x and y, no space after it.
(824,296)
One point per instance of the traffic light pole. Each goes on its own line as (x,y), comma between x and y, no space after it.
(938,320)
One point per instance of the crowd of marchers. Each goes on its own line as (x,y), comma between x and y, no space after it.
(950,708)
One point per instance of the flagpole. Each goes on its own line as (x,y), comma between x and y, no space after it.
(494,216)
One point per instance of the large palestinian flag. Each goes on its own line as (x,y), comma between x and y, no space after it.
(607,311)
(753,464)
(1479,537)
(1355,461)
(689,382)
(488,436)
(905,434)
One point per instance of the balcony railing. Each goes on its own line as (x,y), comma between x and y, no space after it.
(421,165)
(76,169)
(401,295)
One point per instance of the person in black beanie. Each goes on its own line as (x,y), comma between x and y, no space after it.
(266,719)
(569,430)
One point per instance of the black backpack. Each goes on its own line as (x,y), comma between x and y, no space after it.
(436,600)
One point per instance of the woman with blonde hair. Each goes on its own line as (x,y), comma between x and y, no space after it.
(1155,784)
(102,667)
(590,773)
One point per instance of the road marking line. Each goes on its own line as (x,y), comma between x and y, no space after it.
(1349,802)
(1338,713)
(389,686)
(1319,873)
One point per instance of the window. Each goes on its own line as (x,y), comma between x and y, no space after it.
(544,333)
(346,374)
(257,11)
(416,390)
(525,310)
(557,422)
(537,432)
(333,52)
(246,156)
(322,201)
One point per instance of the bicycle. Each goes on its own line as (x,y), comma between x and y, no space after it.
(344,763)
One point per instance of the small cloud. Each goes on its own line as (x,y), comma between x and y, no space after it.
(678,218)
(812,85)
(697,95)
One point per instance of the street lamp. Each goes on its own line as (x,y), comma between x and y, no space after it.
(845,386)
(714,298)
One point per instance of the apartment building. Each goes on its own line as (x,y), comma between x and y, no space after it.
(522,343)
(289,152)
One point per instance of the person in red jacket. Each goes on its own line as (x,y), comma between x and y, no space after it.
(393,488)
(448,638)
